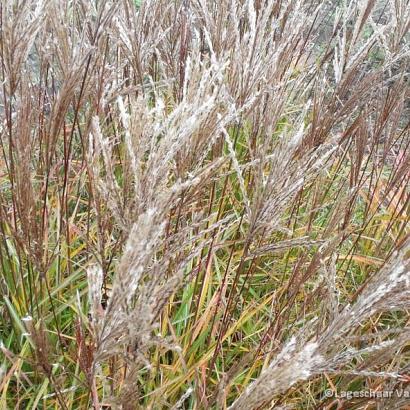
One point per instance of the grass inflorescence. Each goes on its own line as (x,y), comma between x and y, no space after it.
(204,204)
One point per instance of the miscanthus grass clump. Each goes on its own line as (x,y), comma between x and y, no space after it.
(204,204)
